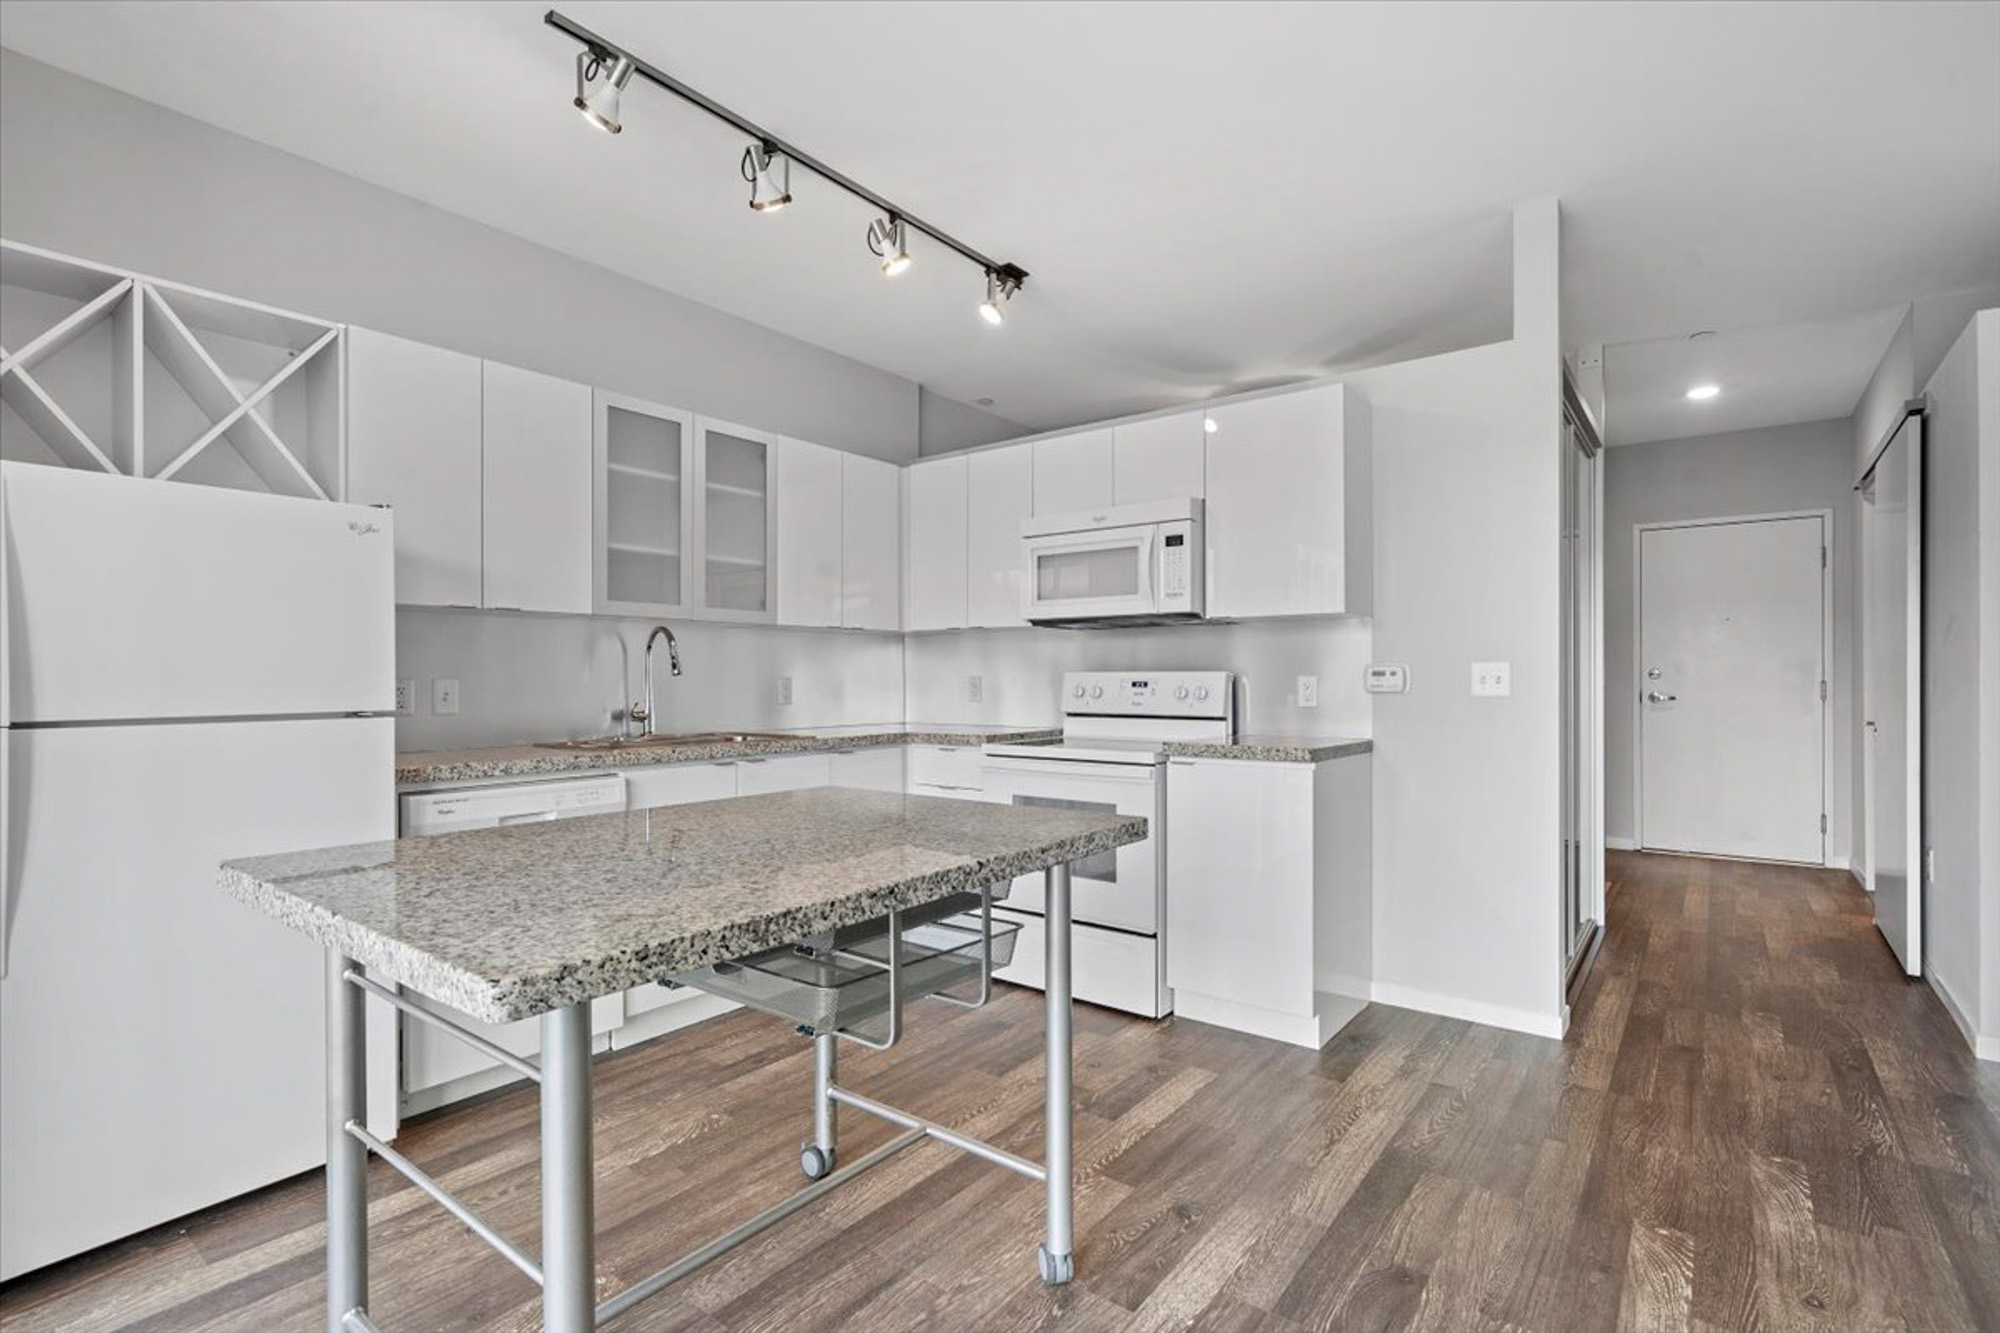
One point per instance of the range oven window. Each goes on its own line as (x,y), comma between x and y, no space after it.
(1102,867)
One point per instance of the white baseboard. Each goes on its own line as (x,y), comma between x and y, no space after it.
(1472,1011)
(1859,878)
(1984,1048)
(1839,863)
(1612,844)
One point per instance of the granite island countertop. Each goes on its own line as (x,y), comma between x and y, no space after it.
(437,768)
(1272,749)
(507,923)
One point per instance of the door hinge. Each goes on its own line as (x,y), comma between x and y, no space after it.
(1822,822)
(1822,556)
(1822,691)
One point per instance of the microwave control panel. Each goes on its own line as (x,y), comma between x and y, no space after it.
(1174,566)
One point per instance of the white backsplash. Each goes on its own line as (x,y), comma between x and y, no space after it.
(544,677)
(1020,670)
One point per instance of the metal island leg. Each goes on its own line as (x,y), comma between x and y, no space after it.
(569,1218)
(818,1157)
(346,1158)
(1055,1258)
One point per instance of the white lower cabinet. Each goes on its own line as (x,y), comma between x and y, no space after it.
(1269,895)
(878,768)
(790,772)
(678,784)
(947,770)
(433,1059)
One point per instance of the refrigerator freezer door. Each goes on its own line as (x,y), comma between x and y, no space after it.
(160,1043)
(134,599)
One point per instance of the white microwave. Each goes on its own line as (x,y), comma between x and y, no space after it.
(1120,565)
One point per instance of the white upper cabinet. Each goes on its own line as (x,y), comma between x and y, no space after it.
(643,510)
(871,544)
(413,443)
(1074,472)
(1160,459)
(1289,505)
(537,493)
(1000,492)
(736,472)
(936,545)
(811,530)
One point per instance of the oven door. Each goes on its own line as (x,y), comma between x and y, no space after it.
(1120,888)
(1086,575)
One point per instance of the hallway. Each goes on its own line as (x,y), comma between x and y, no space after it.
(1755,1123)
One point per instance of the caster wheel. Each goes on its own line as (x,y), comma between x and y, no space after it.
(815,1161)
(1057,1269)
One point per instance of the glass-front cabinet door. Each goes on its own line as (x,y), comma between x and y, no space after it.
(733,504)
(643,517)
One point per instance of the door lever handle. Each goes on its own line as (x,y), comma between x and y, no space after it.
(1655,697)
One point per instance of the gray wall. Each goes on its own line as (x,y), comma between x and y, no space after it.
(92,172)
(945,424)
(1773,470)
(1962,679)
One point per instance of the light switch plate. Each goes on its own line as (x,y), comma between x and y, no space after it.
(1309,691)
(406,696)
(1493,680)
(975,689)
(784,691)
(1387,678)
(444,696)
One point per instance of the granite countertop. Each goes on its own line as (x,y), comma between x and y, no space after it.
(1272,749)
(506,923)
(444,767)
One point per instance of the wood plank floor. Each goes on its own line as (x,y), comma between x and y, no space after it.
(1755,1123)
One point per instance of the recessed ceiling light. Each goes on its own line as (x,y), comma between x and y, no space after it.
(983,402)
(1701,393)
(1208,425)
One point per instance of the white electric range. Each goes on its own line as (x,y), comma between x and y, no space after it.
(1110,759)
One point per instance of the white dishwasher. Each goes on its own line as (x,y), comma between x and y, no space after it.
(438,1068)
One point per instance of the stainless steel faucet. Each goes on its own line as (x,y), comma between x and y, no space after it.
(643,711)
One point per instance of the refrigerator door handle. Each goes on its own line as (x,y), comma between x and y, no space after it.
(6,851)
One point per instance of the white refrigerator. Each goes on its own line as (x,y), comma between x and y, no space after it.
(188,675)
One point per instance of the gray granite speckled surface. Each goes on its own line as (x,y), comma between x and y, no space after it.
(506,923)
(438,768)
(1272,749)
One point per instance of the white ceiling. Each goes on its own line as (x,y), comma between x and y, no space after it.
(1207,196)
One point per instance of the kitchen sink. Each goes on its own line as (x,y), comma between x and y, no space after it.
(664,742)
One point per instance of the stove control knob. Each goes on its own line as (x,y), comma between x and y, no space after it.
(1201,691)
(1097,691)
(1078,691)
(1180,692)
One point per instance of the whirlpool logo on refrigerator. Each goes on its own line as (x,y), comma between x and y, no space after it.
(361,529)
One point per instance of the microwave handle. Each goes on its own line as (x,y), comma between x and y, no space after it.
(1149,574)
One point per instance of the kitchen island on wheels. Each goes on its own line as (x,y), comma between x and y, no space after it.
(830,908)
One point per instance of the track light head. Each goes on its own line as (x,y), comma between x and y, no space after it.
(770,175)
(600,78)
(889,242)
(999,287)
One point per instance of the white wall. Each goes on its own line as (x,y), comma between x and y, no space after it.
(547,677)
(1020,670)
(1962,680)
(945,425)
(1773,470)
(90,171)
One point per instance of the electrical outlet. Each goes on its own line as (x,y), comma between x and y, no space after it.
(784,691)
(1493,680)
(444,696)
(406,696)
(975,689)
(1309,691)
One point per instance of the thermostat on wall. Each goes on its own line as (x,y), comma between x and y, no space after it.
(1388,678)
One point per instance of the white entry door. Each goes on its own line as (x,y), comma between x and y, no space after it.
(1891,666)
(1732,672)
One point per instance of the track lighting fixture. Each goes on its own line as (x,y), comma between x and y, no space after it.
(609,74)
(999,286)
(890,244)
(770,190)
(603,70)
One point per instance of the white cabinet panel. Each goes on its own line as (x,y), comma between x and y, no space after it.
(1288,506)
(413,442)
(1074,472)
(643,516)
(537,491)
(791,772)
(678,784)
(951,770)
(811,528)
(879,768)
(1000,492)
(735,532)
(936,549)
(871,543)
(432,1057)
(1159,459)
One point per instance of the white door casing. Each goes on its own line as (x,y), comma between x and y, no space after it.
(1891,667)
(1731,686)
